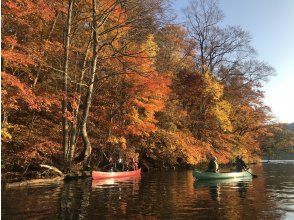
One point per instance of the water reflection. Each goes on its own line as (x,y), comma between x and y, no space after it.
(215,186)
(221,182)
(215,192)
(161,195)
(86,199)
(75,199)
(242,188)
(112,182)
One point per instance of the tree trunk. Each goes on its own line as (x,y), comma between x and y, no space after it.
(87,147)
(65,76)
(87,144)
(73,131)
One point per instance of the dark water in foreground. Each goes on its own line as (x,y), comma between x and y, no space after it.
(161,195)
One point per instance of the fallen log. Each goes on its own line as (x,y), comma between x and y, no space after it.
(52,168)
(56,180)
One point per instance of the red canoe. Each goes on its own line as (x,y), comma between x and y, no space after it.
(97,175)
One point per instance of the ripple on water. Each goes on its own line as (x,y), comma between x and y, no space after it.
(159,195)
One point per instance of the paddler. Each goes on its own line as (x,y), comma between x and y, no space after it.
(240,164)
(213,165)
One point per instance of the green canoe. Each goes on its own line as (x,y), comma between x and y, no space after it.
(209,176)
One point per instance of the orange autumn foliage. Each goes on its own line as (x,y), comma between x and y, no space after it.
(149,97)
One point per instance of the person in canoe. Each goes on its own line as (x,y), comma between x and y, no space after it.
(213,165)
(134,164)
(109,167)
(240,164)
(119,165)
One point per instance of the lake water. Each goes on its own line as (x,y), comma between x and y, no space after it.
(160,195)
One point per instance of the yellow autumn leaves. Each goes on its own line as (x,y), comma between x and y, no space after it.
(150,47)
(219,108)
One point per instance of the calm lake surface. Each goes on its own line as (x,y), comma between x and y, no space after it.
(160,195)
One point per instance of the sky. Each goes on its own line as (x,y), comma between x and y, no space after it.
(271,25)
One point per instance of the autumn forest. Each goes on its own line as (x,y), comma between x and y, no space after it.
(84,81)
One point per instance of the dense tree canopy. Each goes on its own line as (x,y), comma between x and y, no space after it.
(83,81)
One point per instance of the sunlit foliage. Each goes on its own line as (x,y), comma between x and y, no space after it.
(150,93)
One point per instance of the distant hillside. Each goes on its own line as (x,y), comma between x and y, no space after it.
(284,154)
(279,139)
(290,126)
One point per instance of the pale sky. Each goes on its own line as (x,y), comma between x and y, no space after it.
(271,25)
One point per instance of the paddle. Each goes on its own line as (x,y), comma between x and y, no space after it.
(253,175)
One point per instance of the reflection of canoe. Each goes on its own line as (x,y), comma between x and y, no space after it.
(219,182)
(96,175)
(115,181)
(209,175)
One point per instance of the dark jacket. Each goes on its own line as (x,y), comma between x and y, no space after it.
(212,166)
(240,165)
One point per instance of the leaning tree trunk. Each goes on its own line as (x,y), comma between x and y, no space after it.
(65,76)
(87,145)
(75,123)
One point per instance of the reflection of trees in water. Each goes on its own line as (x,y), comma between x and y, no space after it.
(278,175)
(172,194)
(262,205)
(239,200)
(37,202)
(114,199)
(84,208)
(75,199)
(162,195)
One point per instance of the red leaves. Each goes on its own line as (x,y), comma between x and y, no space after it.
(14,55)
(11,41)
(15,94)
(23,8)
(17,58)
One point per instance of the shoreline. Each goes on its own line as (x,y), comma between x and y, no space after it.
(5,184)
